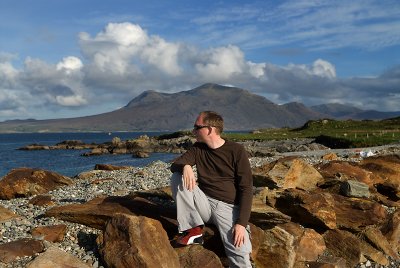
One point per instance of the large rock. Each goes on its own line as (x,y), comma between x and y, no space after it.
(96,212)
(56,258)
(6,215)
(197,257)
(25,182)
(287,172)
(131,241)
(387,169)
(329,211)
(20,248)
(277,249)
(54,233)
(391,230)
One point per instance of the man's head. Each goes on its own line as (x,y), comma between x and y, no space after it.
(208,126)
(213,119)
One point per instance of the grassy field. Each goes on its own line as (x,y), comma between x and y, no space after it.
(333,133)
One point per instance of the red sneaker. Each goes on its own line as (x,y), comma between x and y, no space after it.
(191,236)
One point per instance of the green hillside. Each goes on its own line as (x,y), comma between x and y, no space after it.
(333,133)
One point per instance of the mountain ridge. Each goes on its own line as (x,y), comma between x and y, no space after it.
(156,111)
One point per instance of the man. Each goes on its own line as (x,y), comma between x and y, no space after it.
(221,195)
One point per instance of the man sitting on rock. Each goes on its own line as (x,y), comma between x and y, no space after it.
(221,194)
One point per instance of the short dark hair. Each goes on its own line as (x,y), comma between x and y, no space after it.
(213,119)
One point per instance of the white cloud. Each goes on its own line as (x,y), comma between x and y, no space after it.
(69,64)
(123,60)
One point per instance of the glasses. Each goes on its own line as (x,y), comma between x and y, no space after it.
(198,127)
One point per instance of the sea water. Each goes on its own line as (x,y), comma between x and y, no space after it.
(67,162)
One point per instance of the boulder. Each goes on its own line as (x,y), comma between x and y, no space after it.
(54,233)
(6,215)
(375,237)
(110,167)
(130,241)
(25,182)
(96,212)
(352,188)
(42,200)
(20,248)
(329,211)
(287,172)
(56,258)
(391,230)
(387,169)
(197,256)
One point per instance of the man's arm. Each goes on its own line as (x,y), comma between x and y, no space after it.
(184,165)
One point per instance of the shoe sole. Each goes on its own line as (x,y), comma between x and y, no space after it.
(194,240)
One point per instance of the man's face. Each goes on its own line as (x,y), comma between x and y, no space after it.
(200,130)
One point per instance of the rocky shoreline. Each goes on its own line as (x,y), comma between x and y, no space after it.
(82,240)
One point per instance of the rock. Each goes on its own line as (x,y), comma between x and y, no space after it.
(330,156)
(352,188)
(387,169)
(345,171)
(110,167)
(141,154)
(308,243)
(328,262)
(53,233)
(6,215)
(343,244)
(25,182)
(197,257)
(391,230)
(56,258)
(131,241)
(34,147)
(287,172)
(96,212)
(379,241)
(20,248)
(97,151)
(42,200)
(329,211)
(277,249)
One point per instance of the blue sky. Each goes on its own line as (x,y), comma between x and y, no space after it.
(72,58)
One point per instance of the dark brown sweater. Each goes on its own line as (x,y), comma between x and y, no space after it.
(223,174)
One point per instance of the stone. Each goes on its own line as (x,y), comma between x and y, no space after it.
(54,233)
(345,171)
(353,188)
(42,200)
(20,248)
(308,243)
(343,244)
(6,215)
(387,169)
(329,211)
(56,258)
(131,241)
(287,172)
(375,237)
(391,230)
(328,262)
(96,212)
(141,154)
(277,249)
(110,167)
(197,256)
(25,182)
(330,157)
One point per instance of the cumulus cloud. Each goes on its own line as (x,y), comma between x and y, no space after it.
(122,60)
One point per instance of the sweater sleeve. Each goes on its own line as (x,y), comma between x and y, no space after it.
(244,180)
(188,158)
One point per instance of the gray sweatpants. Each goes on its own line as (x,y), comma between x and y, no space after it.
(194,208)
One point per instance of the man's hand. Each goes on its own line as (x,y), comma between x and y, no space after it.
(238,235)
(189,180)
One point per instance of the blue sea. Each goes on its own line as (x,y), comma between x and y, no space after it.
(67,162)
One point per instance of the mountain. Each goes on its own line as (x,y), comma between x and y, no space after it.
(155,111)
(341,111)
